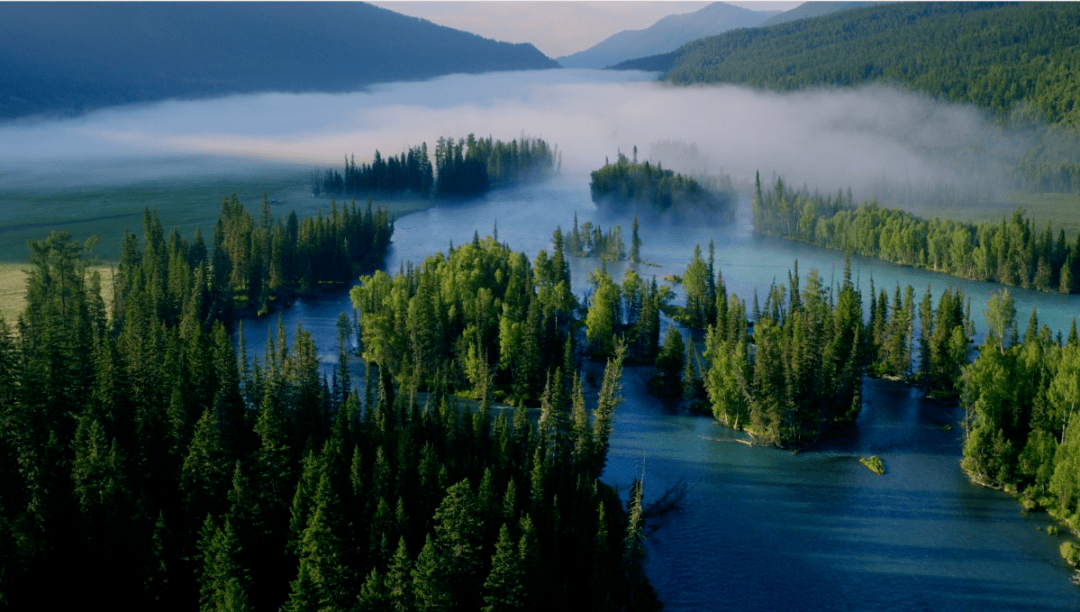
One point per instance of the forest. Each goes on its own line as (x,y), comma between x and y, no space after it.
(641,188)
(1020,397)
(1016,60)
(791,369)
(155,464)
(1012,252)
(465,167)
(592,241)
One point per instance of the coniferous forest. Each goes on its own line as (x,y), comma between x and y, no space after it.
(1020,397)
(1014,59)
(154,465)
(466,167)
(792,368)
(641,188)
(1012,252)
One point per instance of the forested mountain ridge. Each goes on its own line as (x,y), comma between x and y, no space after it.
(665,35)
(997,56)
(118,53)
(809,10)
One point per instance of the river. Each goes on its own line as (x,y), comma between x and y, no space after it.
(765,529)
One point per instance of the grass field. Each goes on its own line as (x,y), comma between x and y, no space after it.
(107,211)
(1061,209)
(181,203)
(13,289)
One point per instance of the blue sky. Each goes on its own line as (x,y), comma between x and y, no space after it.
(557,28)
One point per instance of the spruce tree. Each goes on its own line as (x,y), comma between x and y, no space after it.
(504,588)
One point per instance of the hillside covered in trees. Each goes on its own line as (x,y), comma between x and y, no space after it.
(120,53)
(462,168)
(629,187)
(992,55)
(1015,60)
(156,466)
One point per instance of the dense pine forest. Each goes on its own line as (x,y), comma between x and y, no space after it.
(463,168)
(789,370)
(1020,397)
(154,465)
(1012,252)
(641,188)
(1015,60)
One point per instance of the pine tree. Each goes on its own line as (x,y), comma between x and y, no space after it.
(323,575)
(428,584)
(223,584)
(398,581)
(670,364)
(634,543)
(458,533)
(504,587)
(607,401)
(204,477)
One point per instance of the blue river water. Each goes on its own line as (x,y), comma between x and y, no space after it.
(765,529)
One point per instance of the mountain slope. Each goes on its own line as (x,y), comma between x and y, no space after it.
(809,10)
(994,55)
(665,35)
(68,57)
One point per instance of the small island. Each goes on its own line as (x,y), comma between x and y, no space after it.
(466,167)
(874,464)
(642,188)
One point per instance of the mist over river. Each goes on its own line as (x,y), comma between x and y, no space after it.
(760,529)
(765,529)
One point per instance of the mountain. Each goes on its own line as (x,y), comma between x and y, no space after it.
(666,35)
(809,10)
(1002,57)
(64,58)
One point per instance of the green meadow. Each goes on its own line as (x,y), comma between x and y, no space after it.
(1062,210)
(107,211)
(184,203)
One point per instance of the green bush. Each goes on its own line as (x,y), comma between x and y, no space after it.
(873,464)
(1070,552)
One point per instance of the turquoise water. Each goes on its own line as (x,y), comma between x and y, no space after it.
(765,529)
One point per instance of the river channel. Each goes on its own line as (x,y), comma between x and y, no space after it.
(765,529)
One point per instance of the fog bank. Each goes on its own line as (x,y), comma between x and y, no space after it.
(827,139)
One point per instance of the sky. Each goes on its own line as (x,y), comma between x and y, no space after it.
(556,28)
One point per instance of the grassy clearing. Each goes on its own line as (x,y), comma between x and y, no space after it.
(183,203)
(1061,209)
(179,202)
(13,288)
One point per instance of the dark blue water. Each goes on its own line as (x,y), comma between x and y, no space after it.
(765,529)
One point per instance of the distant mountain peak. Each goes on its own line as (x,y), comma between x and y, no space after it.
(667,34)
(124,52)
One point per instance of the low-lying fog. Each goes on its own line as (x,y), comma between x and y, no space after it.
(827,139)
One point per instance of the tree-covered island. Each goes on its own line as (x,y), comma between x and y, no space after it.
(790,369)
(628,187)
(466,167)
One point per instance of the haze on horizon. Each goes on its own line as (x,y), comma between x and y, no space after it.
(556,28)
(825,139)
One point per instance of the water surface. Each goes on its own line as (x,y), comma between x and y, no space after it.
(765,529)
